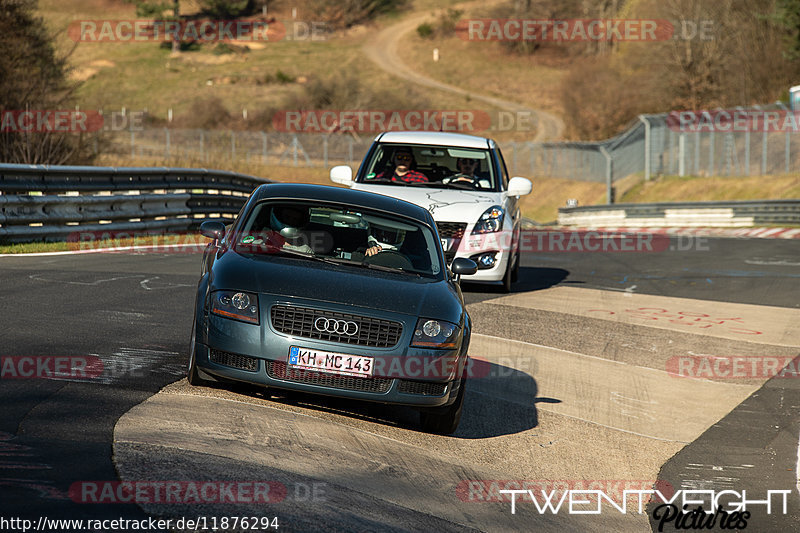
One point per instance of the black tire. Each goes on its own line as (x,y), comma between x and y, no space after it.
(192,376)
(515,272)
(508,276)
(444,420)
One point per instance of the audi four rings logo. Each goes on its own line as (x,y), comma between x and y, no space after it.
(331,325)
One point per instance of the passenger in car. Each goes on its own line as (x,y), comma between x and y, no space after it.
(284,229)
(404,165)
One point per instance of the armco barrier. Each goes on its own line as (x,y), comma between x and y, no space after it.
(676,214)
(52,202)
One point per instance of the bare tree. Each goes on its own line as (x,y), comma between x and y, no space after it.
(33,78)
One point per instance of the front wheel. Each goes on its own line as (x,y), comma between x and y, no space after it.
(515,272)
(508,277)
(192,376)
(444,420)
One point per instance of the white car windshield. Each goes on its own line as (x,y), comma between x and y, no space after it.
(431,166)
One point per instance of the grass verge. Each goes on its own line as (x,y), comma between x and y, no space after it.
(180,242)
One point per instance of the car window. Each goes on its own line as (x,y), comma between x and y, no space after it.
(341,235)
(435,166)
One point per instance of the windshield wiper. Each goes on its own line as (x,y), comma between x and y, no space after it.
(383,181)
(339,261)
(463,186)
(382,268)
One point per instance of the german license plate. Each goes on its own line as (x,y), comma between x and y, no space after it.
(330,362)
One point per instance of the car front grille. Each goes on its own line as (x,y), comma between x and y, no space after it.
(454,231)
(241,362)
(279,370)
(299,322)
(421,387)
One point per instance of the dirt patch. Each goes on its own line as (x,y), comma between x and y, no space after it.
(92,68)
(209,59)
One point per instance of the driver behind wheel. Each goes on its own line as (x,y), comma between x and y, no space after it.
(467,172)
(383,238)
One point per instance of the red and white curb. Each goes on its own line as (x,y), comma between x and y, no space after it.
(759,233)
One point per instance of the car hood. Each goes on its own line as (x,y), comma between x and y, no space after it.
(288,277)
(446,205)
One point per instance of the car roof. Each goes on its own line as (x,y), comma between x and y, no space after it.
(327,193)
(435,138)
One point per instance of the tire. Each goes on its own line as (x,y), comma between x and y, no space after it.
(444,420)
(192,376)
(515,272)
(508,276)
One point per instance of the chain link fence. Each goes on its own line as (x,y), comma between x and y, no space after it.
(656,145)
(653,145)
(306,150)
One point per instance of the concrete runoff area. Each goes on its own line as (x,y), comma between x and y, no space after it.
(519,424)
(750,323)
(397,475)
(640,400)
(538,413)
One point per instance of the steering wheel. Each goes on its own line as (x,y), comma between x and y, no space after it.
(390,258)
(462,180)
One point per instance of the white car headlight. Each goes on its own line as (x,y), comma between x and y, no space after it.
(491,220)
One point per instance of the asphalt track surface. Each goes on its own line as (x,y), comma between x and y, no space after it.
(577,392)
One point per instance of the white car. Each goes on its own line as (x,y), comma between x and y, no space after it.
(464,183)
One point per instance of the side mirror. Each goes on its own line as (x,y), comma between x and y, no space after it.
(461,266)
(213,229)
(342,174)
(519,186)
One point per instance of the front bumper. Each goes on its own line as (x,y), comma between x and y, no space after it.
(495,273)
(501,245)
(229,350)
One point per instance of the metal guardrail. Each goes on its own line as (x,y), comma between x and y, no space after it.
(56,202)
(677,214)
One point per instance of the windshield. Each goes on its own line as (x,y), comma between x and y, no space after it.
(353,238)
(431,166)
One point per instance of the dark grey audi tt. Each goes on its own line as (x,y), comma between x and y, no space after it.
(336,292)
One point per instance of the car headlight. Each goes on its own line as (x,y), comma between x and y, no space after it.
(431,333)
(491,220)
(235,304)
